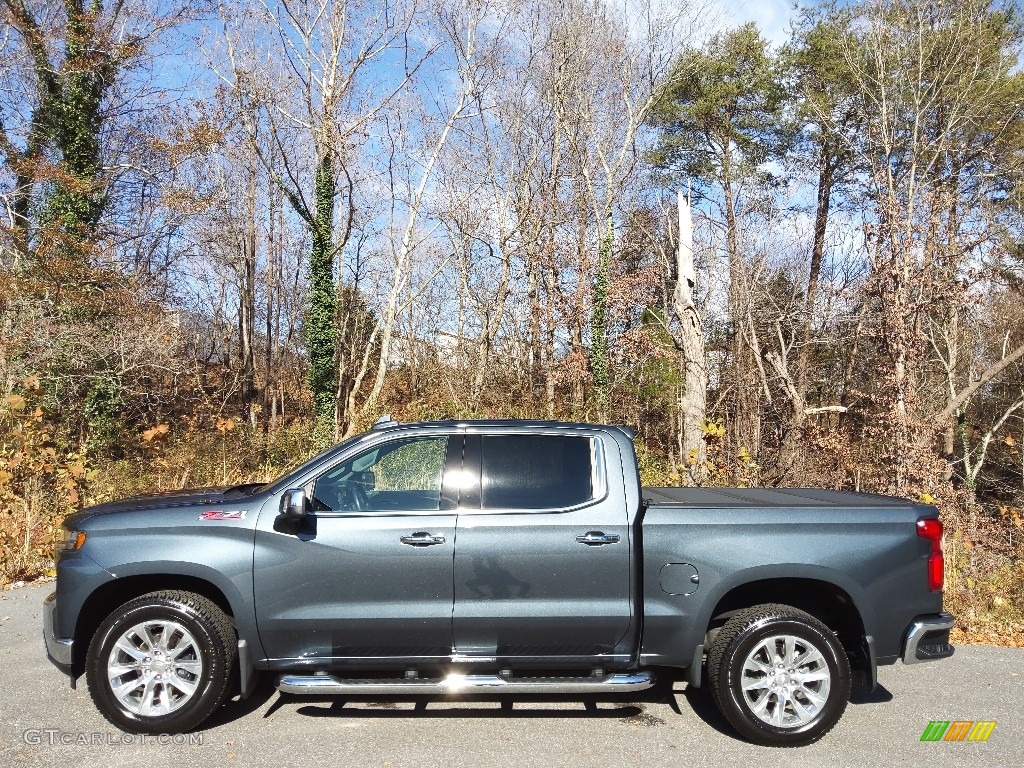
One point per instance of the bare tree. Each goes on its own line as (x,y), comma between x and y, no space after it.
(320,96)
(925,79)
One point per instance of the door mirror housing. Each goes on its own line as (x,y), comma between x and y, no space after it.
(294,506)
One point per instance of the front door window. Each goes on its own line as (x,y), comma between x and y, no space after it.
(398,476)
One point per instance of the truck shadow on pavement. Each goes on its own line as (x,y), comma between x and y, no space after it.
(236,709)
(880,695)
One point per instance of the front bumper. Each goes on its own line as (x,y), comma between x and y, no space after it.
(58,649)
(927,639)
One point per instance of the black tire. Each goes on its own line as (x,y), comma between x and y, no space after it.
(797,719)
(208,655)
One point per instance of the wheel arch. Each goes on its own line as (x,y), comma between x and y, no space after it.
(825,600)
(107,597)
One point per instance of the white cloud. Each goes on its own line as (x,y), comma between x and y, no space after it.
(771,16)
(708,17)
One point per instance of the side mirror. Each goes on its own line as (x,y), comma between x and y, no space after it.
(293,510)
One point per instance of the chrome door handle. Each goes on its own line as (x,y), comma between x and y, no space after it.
(422,539)
(597,538)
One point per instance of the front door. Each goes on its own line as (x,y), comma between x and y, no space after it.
(542,566)
(370,573)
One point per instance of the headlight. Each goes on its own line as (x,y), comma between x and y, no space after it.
(72,540)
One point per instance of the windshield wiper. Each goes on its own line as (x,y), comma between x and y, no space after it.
(243,489)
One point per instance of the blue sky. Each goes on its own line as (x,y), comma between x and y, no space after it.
(771,16)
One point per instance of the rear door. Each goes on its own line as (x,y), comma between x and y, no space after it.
(542,562)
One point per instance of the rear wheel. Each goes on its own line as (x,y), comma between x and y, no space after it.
(779,675)
(161,663)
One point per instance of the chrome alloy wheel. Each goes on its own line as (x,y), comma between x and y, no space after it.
(785,681)
(154,668)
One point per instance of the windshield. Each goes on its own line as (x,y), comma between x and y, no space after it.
(272,486)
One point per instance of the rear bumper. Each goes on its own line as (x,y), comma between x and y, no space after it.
(927,639)
(58,649)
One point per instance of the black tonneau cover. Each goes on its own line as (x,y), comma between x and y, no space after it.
(766,497)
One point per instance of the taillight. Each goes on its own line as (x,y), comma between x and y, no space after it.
(931,529)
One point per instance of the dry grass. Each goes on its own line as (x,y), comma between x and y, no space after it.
(985,576)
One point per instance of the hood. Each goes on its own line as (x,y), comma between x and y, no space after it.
(165,500)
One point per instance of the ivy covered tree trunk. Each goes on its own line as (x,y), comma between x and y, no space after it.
(321,335)
(60,190)
(599,326)
(78,196)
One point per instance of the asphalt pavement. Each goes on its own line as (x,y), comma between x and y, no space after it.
(43,722)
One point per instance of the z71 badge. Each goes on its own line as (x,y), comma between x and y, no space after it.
(218,514)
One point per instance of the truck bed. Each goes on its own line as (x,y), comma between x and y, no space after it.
(704,498)
(716,540)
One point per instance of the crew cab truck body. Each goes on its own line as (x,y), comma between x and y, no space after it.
(500,556)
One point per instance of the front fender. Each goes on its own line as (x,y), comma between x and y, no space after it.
(176,547)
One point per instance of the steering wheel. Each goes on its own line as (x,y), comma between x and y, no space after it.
(357,496)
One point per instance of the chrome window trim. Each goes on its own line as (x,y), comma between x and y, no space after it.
(324,515)
(598,474)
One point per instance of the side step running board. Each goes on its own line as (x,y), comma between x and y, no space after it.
(310,685)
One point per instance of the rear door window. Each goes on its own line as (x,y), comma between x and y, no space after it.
(539,471)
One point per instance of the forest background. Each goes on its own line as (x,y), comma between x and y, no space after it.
(232,233)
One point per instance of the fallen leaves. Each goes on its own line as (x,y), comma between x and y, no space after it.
(156,434)
(1013,515)
(1004,635)
(15,402)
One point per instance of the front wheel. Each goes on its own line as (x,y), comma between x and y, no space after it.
(779,675)
(161,663)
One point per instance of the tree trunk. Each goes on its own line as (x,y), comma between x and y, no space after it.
(247,305)
(599,329)
(320,330)
(693,394)
(743,428)
(790,449)
(273,288)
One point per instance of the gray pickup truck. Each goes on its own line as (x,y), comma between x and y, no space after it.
(497,557)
